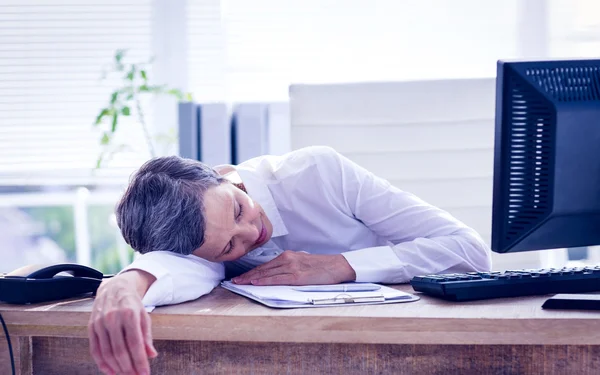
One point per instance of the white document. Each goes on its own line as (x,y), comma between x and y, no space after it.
(288,297)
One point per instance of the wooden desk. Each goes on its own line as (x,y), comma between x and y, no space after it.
(223,333)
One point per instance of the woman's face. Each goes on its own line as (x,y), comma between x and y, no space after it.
(235,224)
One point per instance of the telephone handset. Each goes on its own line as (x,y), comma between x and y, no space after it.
(47,282)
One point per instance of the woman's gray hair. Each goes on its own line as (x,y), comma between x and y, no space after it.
(163,209)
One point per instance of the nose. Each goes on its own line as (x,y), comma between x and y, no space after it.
(248,232)
(249,226)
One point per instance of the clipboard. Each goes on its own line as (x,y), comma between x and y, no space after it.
(285,297)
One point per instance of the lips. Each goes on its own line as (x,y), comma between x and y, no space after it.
(263,234)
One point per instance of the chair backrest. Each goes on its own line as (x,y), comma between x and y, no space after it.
(432,138)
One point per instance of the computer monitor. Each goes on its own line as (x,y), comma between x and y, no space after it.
(546,155)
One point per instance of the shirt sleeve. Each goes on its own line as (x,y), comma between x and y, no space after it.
(423,239)
(179,278)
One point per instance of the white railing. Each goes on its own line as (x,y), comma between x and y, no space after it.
(80,199)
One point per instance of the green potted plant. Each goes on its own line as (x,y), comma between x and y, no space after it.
(125,100)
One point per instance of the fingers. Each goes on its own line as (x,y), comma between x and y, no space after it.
(117,341)
(257,274)
(279,279)
(116,325)
(100,348)
(136,345)
(120,330)
(95,345)
(147,335)
(95,352)
(106,351)
(297,268)
(263,274)
(259,271)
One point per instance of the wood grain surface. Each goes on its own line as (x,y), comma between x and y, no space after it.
(58,356)
(225,316)
(22,355)
(226,333)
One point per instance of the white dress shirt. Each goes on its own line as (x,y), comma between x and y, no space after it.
(320,202)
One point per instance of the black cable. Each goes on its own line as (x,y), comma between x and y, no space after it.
(12,358)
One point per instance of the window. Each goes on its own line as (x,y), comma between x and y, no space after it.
(53,54)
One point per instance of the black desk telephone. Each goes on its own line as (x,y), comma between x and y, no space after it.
(40,283)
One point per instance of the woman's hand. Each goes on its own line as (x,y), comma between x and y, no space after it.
(300,268)
(120,328)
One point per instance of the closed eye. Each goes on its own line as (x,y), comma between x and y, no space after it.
(241,210)
(229,249)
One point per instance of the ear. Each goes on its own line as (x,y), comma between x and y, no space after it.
(224,169)
(229,172)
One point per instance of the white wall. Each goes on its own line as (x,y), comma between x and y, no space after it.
(277,42)
(432,138)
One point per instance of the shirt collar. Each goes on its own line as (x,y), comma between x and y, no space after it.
(259,191)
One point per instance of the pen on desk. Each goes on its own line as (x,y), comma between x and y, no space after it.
(337,288)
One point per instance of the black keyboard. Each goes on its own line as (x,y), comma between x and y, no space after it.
(483,285)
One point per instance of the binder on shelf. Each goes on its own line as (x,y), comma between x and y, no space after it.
(250,128)
(188,130)
(205,132)
(288,297)
(260,129)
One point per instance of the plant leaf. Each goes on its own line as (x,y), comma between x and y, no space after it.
(188,97)
(152,88)
(100,116)
(119,55)
(143,74)
(99,161)
(131,73)
(175,92)
(114,121)
(105,139)
(126,111)
(113,97)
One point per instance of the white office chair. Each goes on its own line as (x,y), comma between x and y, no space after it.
(433,138)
